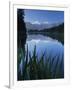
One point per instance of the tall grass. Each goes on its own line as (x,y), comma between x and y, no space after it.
(34,68)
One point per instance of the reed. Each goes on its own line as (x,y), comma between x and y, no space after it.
(34,68)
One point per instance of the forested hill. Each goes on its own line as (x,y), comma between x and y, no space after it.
(59,28)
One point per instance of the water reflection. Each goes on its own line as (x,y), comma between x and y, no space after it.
(51,48)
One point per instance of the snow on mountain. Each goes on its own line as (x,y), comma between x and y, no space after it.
(38,26)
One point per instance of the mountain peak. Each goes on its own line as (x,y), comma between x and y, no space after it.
(40,26)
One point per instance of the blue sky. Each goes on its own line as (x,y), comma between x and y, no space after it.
(43,16)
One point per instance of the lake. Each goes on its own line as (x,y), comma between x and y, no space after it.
(44,44)
(51,48)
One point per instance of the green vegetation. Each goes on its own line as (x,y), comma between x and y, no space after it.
(35,69)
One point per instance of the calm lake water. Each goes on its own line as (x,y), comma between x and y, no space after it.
(51,48)
(47,45)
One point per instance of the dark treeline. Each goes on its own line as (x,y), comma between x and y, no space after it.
(59,28)
(21,28)
(21,40)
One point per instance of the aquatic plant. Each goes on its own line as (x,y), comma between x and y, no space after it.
(38,68)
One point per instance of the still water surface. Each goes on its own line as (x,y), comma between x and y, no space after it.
(51,48)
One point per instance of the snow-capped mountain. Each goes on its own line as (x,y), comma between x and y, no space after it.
(42,26)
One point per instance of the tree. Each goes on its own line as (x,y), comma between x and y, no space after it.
(21,39)
(21,28)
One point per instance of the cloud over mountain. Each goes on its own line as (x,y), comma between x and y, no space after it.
(39,26)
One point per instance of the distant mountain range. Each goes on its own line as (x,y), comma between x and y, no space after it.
(39,27)
(55,31)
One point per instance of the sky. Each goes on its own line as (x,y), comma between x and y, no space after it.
(43,16)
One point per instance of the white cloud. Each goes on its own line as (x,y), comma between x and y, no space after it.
(36,22)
